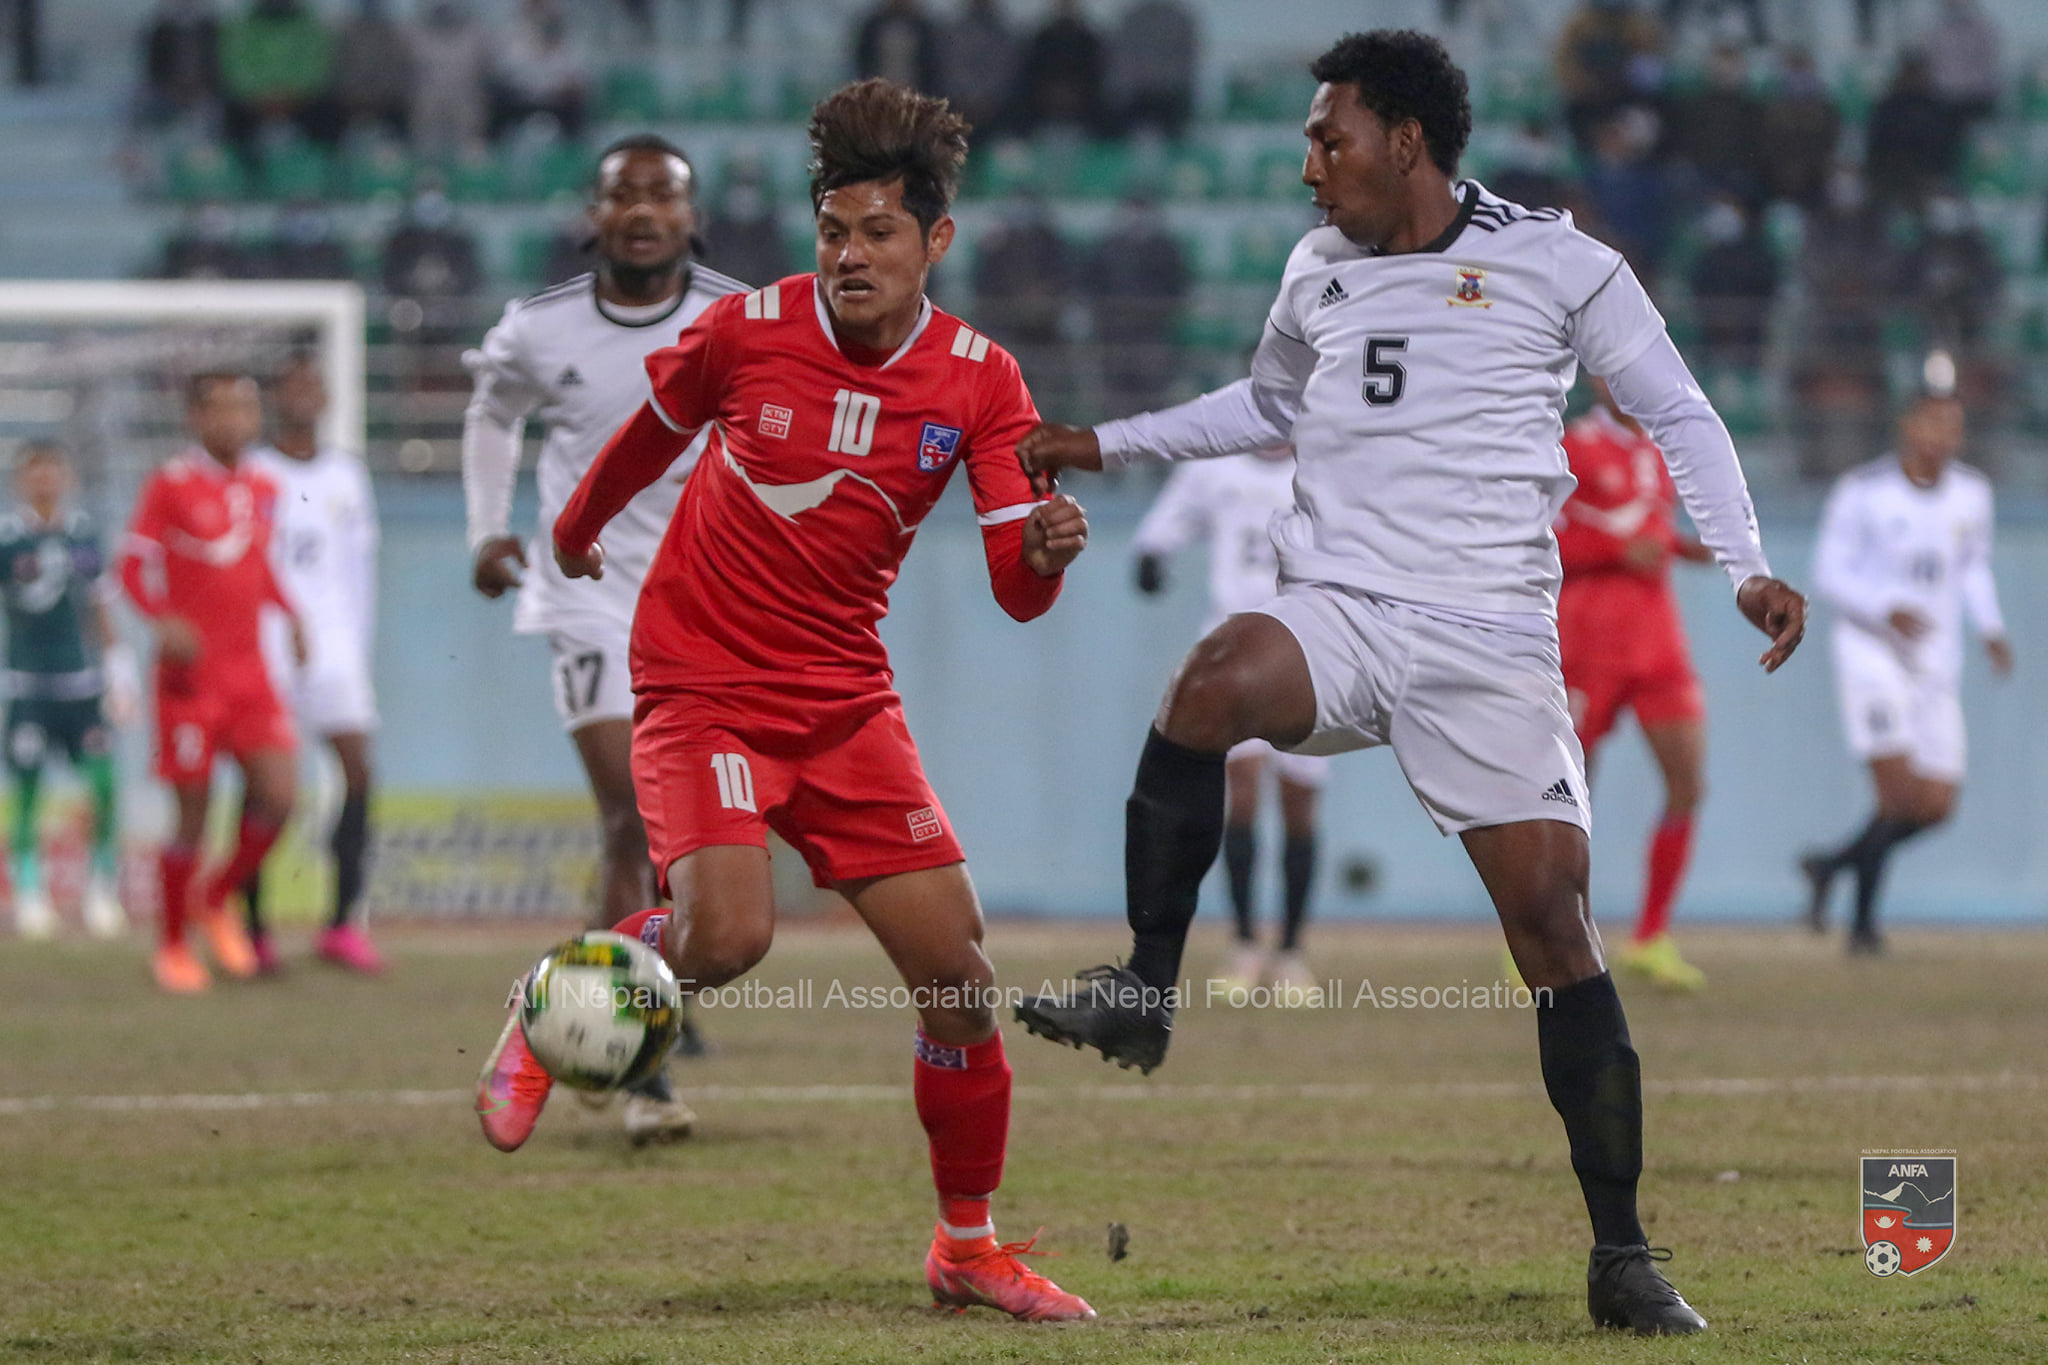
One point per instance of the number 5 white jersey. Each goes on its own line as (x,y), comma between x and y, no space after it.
(578,364)
(1424,394)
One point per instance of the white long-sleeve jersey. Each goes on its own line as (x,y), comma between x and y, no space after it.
(577,364)
(1887,543)
(1424,394)
(1230,503)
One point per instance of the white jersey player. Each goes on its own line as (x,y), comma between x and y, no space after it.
(1231,503)
(1904,555)
(574,357)
(1418,357)
(323,548)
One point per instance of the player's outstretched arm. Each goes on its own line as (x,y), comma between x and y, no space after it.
(1777,609)
(1053,446)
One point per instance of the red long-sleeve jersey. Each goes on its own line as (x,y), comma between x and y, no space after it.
(199,548)
(821,466)
(1607,612)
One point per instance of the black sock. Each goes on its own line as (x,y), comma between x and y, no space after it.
(252,903)
(1596,1085)
(1172,825)
(655,1087)
(1867,856)
(351,845)
(1240,857)
(1298,866)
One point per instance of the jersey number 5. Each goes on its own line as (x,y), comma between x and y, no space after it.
(1384,377)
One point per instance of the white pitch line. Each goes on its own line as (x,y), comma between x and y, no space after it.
(1721,1087)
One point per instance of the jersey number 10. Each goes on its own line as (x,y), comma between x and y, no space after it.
(1384,378)
(853,422)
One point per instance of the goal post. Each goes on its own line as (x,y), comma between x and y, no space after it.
(35,313)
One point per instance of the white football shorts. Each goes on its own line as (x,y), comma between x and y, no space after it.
(593,678)
(1475,714)
(1890,711)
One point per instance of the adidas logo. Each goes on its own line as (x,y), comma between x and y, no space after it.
(1560,792)
(1333,292)
(569,378)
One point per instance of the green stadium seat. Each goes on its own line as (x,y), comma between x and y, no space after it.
(1516,94)
(1262,95)
(562,171)
(376,170)
(477,179)
(1002,168)
(1276,174)
(1195,171)
(296,171)
(1099,170)
(530,253)
(800,91)
(722,101)
(632,94)
(1258,254)
(1994,165)
(203,170)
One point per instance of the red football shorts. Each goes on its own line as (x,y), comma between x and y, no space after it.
(223,716)
(837,777)
(1624,649)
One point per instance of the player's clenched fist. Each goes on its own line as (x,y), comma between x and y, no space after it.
(1053,446)
(589,564)
(1055,532)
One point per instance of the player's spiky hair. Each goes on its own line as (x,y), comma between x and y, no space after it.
(879,130)
(1401,74)
(641,142)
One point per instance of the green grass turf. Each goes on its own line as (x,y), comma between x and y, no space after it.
(1349,1184)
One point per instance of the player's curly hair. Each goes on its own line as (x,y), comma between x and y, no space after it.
(1401,74)
(879,130)
(640,142)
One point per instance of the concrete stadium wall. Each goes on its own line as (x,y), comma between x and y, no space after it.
(1031,733)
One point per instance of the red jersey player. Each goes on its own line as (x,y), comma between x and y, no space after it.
(196,563)
(1623,646)
(840,404)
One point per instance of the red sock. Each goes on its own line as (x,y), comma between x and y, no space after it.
(174,867)
(644,925)
(963,1099)
(1670,850)
(251,846)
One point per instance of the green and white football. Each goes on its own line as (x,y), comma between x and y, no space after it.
(600,1011)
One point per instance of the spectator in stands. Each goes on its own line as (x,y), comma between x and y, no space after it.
(539,70)
(1023,282)
(1060,82)
(1137,280)
(430,263)
(1532,168)
(373,70)
(1608,56)
(1717,130)
(1734,280)
(204,247)
(1954,277)
(897,42)
(978,66)
(1801,127)
(276,64)
(1152,67)
(1915,138)
(304,246)
(1630,191)
(451,63)
(1850,276)
(181,64)
(1963,59)
(742,233)
(1759,35)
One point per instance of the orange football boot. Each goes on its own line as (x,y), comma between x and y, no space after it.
(512,1091)
(964,1274)
(178,972)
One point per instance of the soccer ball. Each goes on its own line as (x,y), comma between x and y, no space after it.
(600,1011)
(1882,1258)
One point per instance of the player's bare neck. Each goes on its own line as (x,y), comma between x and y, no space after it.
(226,459)
(871,345)
(296,442)
(629,287)
(45,512)
(1433,207)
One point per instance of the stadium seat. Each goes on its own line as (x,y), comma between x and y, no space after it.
(562,170)
(1267,94)
(1258,253)
(1276,174)
(1003,168)
(296,170)
(203,170)
(632,94)
(1100,170)
(381,169)
(1517,94)
(722,101)
(477,179)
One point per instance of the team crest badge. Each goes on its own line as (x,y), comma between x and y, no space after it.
(936,447)
(1909,1212)
(1471,289)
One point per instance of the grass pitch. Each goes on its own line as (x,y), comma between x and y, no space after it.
(1352,1183)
